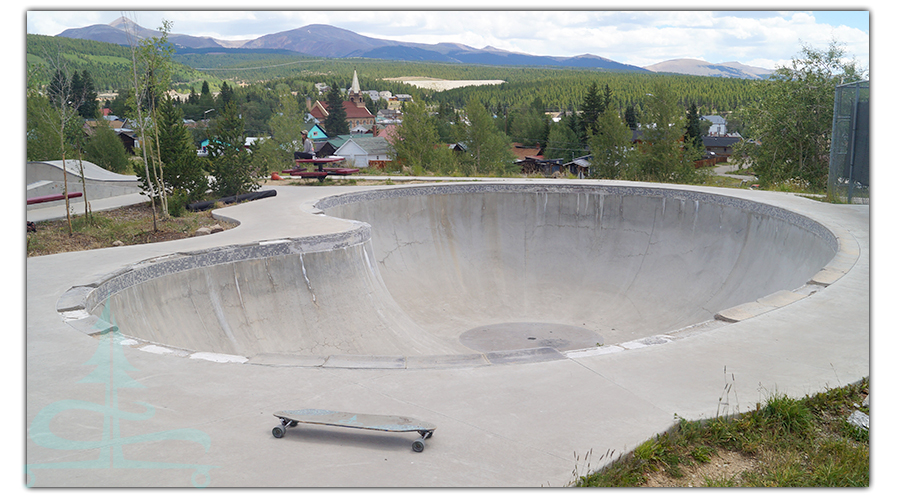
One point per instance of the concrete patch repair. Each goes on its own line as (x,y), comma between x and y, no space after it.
(493,309)
(111,372)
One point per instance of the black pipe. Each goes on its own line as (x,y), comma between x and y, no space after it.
(201,206)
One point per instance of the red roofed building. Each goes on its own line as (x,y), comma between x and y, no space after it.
(389,132)
(359,119)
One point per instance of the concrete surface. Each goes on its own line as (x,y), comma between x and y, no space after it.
(46,177)
(725,171)
(108,410)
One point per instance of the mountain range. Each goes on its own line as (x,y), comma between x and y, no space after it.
(319,40)
(703,68)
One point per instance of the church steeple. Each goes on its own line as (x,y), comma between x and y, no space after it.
(354,87)
(355,95)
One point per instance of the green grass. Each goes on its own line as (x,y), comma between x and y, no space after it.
(722,181)
(792,442)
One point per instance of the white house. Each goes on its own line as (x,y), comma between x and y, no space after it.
(359,151)
(718,124)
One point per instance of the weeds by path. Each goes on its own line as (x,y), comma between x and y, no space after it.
(786,442)
(131,225)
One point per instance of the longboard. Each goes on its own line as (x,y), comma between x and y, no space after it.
(387,423)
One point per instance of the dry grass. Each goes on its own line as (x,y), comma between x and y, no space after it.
(131,225)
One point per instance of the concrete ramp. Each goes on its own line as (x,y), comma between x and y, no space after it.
(478,272)
(46,177)
(626,263)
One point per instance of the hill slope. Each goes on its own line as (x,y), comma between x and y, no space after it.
(698,67)
(319,40)
(109,64)
(123,31)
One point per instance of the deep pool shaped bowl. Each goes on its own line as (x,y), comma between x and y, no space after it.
(426,268)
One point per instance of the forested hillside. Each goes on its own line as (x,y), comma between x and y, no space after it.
(108,64)
(560,89)
(564,90)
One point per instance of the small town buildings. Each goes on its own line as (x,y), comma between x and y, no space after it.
(388,116)
(389,132)
(580,167)
(359,119)
(324,148)
(316,133)
(718,127)
(365,151)
(394,104)
(120,127)
(530,159)
(721,145)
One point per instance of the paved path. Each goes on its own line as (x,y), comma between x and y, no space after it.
(724,170)
(40,212)
(175,421)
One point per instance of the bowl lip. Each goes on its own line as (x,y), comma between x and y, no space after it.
(76,304)
(676,193)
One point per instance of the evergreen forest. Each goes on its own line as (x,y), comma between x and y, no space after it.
(240,94)
(558,88)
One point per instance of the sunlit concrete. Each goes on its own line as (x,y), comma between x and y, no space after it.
(795,323)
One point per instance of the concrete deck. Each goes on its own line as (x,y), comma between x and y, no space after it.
(105,413)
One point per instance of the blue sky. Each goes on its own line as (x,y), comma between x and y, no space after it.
(641,36)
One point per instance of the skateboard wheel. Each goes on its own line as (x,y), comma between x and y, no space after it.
(278,431)
(418,445)
(292,424)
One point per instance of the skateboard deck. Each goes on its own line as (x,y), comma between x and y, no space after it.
(387,423)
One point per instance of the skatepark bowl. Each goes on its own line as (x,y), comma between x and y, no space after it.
(469,274)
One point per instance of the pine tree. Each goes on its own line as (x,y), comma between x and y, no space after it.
(226,95)
(607,98)
(631,117)
(229,161)
(336,121)
(206,101)
(89,108)
(693,135)
(591,109)
(182,168)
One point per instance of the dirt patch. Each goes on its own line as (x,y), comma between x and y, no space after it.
(719,470)
(132,225)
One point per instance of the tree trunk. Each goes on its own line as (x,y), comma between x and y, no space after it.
(66,191)
(84,194)
(161,185)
